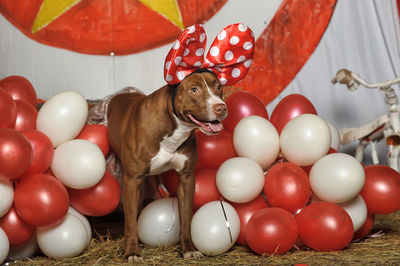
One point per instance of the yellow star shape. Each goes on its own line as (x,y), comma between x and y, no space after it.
(168,9)
(52,9)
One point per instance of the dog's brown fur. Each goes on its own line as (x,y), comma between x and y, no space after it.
(138,124)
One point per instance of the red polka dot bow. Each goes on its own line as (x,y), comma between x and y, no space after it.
(229,57)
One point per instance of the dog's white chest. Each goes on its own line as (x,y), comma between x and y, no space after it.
(168,157)
(165,161)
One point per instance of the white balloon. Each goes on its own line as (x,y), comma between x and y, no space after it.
(85,222)
(305,139)
(256,138)
(240,179)
(337,177)
(335,136)
(4,246)
(78,164)
(357,210)
(24,250)
(6,195)
(62,116)
(63,240)
(214,228)
(158,223)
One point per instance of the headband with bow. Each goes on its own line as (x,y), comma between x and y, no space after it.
(229,57)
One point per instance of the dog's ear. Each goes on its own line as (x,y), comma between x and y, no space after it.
(228,91)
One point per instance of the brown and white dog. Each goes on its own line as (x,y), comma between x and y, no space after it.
(155,133)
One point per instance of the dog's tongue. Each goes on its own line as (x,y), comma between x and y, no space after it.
(207,127)
(212,127)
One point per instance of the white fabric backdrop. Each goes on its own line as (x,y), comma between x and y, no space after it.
(363,36)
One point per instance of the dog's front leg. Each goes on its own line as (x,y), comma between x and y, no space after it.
(185,202)
(131,198)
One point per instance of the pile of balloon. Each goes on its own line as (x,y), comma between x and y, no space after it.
(274,183)
(52,173)
(271,183)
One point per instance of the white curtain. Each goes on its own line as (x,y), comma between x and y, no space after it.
(363,36)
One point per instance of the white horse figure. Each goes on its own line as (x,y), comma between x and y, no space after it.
(385,127)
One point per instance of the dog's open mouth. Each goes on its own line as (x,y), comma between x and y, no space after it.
(210,128)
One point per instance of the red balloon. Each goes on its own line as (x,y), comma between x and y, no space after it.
(287,186)
(290,107)
(366,228)
(214,150)
(20,88)
(15,153)
(96,134)
(245,211)
(41,199)
(99,200)
(324,226)
(271,231)
(43,151)
(26,116)
(240,105)
(8,110)
(16,229)
(205,189)
(170,181)
(381,191)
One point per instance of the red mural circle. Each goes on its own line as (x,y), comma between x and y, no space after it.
(102,27)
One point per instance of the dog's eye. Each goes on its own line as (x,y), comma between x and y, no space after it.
(219,87)
(194,89)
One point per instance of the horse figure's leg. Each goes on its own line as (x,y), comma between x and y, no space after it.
(374,153)
(393,156)
(362,144)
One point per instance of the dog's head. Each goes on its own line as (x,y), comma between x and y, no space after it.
(198,100)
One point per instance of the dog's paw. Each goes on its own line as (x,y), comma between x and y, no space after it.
(135,258)
(132,252)
(193,255)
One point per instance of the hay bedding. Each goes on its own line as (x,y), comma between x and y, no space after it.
(106,248)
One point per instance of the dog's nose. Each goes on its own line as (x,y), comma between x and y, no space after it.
(219,109)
